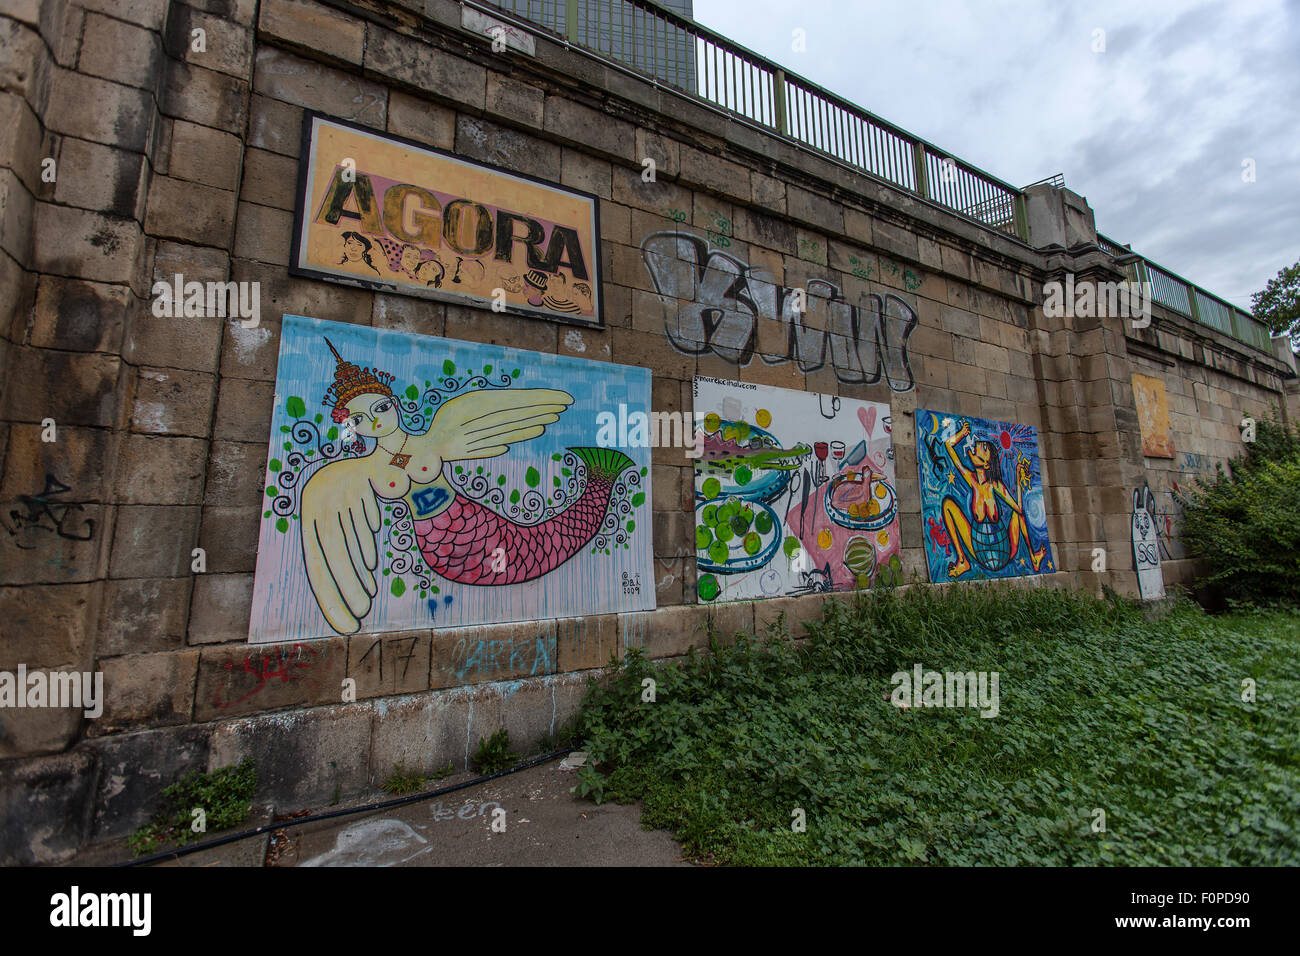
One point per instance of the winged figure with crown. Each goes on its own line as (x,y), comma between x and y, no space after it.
(341,510)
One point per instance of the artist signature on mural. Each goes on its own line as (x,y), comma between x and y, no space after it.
(48,512)
(631,583)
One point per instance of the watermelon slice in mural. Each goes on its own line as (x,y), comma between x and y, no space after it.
(982,507)
(794,493)
(416,481)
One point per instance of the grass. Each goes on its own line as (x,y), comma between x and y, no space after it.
(1103,706)
(405,780)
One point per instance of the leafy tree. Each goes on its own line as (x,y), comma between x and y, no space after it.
(1243,525)
(1278,305)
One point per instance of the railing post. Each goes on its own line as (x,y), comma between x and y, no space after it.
(571,20)
(1191,303)
(1022,220)
(778,101)
(918,169)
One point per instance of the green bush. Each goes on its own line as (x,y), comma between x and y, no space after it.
(1244,526)
(225,796)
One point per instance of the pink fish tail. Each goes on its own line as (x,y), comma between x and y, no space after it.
(468,542)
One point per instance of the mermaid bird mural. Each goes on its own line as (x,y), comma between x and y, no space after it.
(981,498)
(425,506)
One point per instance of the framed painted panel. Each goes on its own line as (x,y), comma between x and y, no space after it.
(982,508)
(386,213)
(794,493)
(415,481)
(1153,416)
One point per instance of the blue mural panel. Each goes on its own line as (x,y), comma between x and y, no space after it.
(982,511)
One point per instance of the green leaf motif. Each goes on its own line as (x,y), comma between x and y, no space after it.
(532,477)
(398,587)
(295,406)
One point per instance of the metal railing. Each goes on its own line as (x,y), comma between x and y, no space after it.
(681,54)
(677,52)
(1178,295)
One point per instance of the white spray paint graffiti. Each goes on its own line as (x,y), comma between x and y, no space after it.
(1146,545)
(713,301)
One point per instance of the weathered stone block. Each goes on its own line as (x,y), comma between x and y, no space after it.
(315,86)
(173,402)
(583,643)
(154,541)
(101,178)
(303,758)
(514,100)
(242,679)
(666,632)
(421,120)
(417,63)
(324,32)
(87,387)
(229,536)
(142,616)
(190,212)
(46,626)
(153,470)
(244,411)
(227,45)
(146,690)
(75,242)
(222,607)
(204,96)
(475,655)
(384,665)
(269,179)
(263,234)
(275,125)
(204,155)
(118,51)
(486,141)
(134,771)
(100,111)
(50,795)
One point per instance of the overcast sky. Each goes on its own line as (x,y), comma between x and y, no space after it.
(1153,131)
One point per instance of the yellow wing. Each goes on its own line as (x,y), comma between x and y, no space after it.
(340,516)
(486,423)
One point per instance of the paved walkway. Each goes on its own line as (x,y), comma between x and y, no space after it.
(544,825)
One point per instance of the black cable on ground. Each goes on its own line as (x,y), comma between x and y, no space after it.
(332,814)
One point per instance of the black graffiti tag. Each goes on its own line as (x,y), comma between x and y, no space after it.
(45,507)
(714,302)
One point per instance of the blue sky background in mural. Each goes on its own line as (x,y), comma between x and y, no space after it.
(991,553)
(534,479)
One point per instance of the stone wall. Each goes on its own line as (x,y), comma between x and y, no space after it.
(174,160)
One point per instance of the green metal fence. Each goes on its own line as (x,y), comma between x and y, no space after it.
(679,53)
(1177,294)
